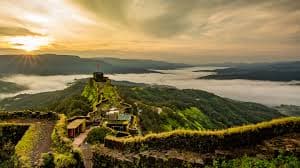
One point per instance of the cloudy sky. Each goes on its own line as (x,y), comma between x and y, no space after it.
(174,30)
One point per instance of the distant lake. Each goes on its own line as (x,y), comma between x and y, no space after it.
(265,92)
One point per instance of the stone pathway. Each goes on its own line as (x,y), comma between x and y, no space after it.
(79,142)
(81,138)
(87,155)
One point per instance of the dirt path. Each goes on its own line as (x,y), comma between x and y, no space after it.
(45,141)
(43,145)
(87,155)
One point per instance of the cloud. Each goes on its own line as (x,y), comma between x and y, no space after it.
(113,10)
(195,18)
(178,28)
(16,31)
(38,84)
(265,92)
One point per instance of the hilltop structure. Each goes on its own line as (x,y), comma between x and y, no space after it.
(109,110)
(99,77)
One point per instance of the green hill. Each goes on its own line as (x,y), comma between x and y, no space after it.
(164,109)
(282,71)
(159,108)
(8,87)
(67,101)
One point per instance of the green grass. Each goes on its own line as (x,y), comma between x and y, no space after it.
(25,143)
(207,140)
(248,162)
(190,109)
(9,87)
(61,142)
(64,155)
(25,147)
(96,92)
(90,91)
(42,101)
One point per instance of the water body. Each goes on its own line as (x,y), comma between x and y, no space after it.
(265,92)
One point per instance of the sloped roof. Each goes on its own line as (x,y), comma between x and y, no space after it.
(76,123)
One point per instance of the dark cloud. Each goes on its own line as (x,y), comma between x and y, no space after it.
(16,31)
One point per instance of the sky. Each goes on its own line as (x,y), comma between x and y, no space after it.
(172,30)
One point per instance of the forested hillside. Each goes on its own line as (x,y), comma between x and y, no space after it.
(165,109)
(159,108)
(68,101)
(8,87)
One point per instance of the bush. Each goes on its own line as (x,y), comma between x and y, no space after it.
(64,154)
(64,160)
(247,162)
(48,160)
(72,106)
(97,135)
(61,143)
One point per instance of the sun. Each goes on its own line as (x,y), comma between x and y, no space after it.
(28,43)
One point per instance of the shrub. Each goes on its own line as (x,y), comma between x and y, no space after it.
(247,162)
(72,106)
(64,154)
(64,160)
(48,160)
(97,135)
(61,143)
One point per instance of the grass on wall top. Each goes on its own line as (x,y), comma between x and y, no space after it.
(219,133)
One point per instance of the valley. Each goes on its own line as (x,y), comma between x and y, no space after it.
(149,84)
(96,115)
(116,113)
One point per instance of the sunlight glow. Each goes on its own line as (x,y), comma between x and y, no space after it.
(28,43)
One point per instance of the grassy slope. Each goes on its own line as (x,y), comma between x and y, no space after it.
(161,108)
(97,92)
(8,87)
(42,100)
(192,109)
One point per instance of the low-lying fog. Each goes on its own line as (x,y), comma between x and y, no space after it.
(38,84)
(265,92)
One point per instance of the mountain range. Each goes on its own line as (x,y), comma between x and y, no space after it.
(51,64)
(283,71)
